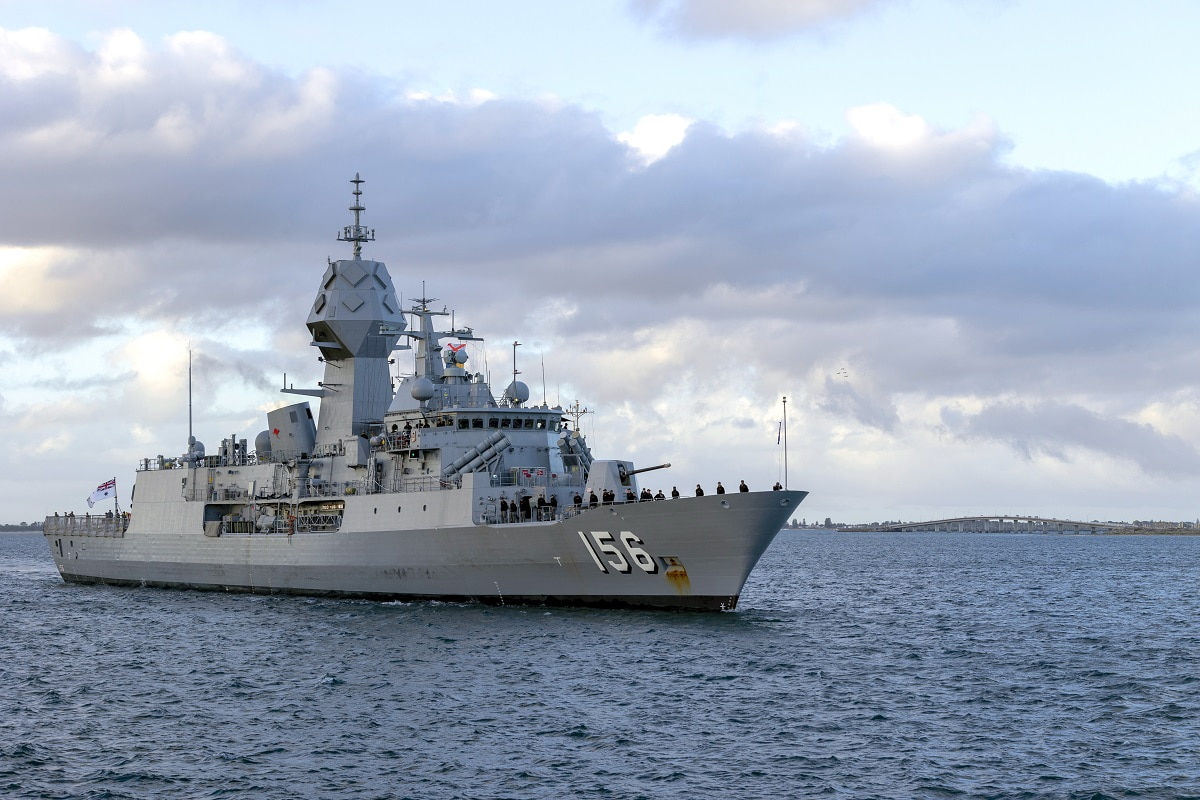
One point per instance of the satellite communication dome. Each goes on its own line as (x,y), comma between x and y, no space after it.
(262,443)
(517,391)
(422,389)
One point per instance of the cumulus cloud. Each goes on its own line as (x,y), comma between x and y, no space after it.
(1058,430)
(868,408)
(752,19)
(655,135)
(161,193)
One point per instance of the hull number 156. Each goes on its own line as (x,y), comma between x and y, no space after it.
(619,553)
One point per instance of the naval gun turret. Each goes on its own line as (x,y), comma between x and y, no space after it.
(356,322)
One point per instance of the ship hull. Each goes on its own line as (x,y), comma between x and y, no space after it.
(692,553)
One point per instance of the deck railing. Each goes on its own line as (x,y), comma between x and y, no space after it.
(87,525)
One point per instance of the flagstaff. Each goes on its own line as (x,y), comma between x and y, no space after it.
(785,464)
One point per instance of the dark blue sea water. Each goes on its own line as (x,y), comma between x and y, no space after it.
(857,666)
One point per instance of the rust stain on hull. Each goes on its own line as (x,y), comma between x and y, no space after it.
(677,575)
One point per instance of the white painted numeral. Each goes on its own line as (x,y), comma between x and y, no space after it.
(604,541)
(639,556)
(592,552)
(608,546)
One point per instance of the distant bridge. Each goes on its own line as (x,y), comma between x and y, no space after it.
(995,524)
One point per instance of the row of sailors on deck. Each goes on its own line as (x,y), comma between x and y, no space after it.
(742,487)
(609,497)
(523,508)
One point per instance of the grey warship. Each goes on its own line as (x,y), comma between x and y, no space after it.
(422,487)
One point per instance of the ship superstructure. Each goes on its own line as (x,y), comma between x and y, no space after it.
(428,486)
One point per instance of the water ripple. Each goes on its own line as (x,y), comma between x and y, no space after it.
(949,665)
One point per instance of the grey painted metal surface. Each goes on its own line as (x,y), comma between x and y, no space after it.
(435,491)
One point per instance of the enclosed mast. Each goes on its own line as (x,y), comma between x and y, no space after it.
(355,322)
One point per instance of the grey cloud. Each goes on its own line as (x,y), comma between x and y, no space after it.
(1055,429)
(937,267)
(218,363)
(749,19)
(78,385)
(868,408)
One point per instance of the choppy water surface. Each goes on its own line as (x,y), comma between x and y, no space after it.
(910,665)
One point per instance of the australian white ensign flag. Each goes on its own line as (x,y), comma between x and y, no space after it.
(106,489)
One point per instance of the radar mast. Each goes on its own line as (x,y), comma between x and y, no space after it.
(357,233)
(355,322)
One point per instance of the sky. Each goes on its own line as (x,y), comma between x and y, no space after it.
(958,237)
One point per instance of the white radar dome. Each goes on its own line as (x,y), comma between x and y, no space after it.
(422,389)
(517,391)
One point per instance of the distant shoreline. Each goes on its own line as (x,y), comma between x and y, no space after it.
(1111,532)
(1154,532)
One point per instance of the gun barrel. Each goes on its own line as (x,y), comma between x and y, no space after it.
(647,469)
